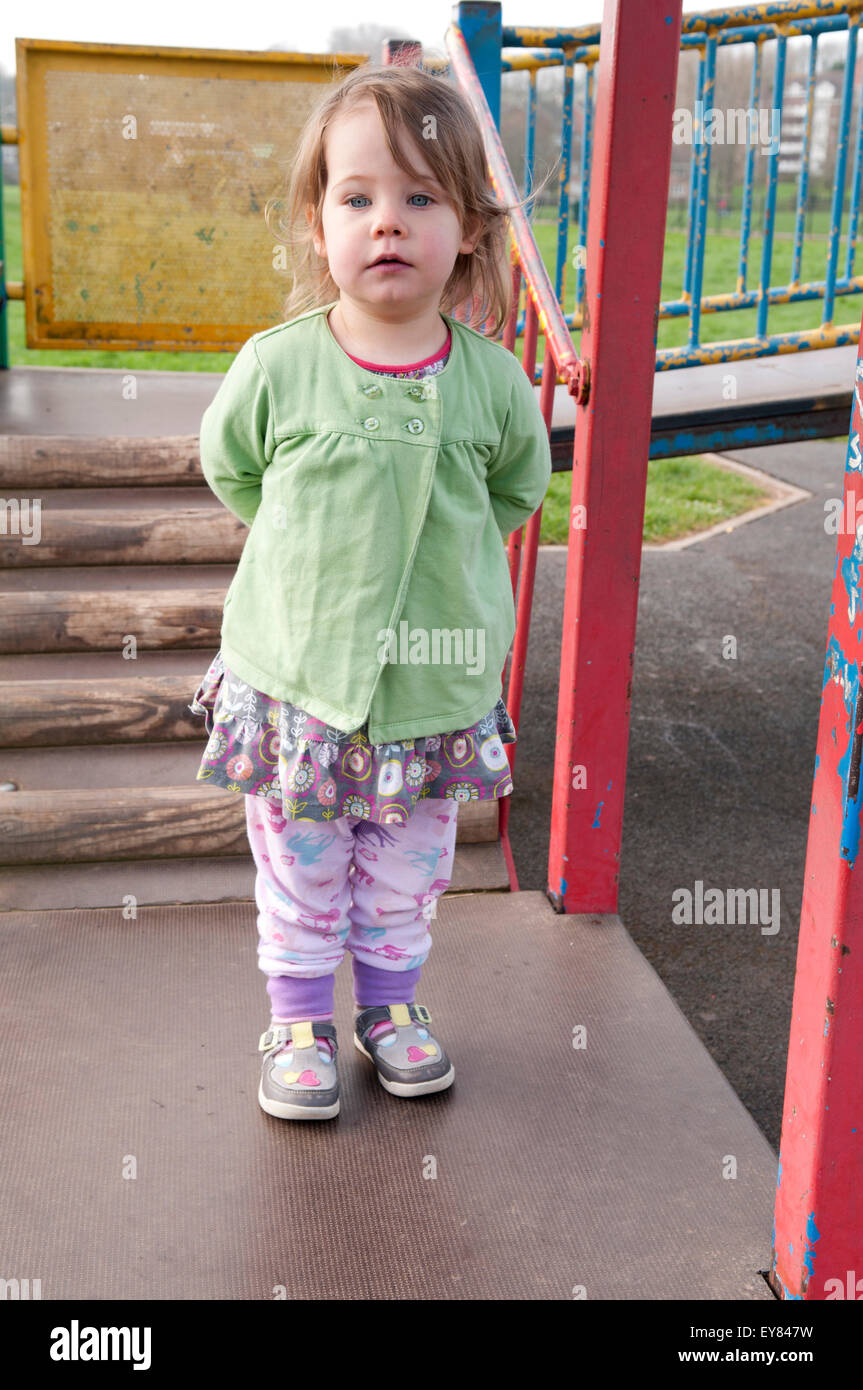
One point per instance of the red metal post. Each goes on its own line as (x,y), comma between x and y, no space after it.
(525,588)
(637,82)
(818,1222)
(509,334)
(527,569)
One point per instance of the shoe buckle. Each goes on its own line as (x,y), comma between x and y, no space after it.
(272,1037)
(422,1013)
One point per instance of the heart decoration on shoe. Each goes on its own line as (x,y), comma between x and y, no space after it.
(419,1054)
(306,1078)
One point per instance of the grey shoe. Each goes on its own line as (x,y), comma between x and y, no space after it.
(411,1063)
(299,1084)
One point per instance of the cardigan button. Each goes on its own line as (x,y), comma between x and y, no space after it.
(416,393)
(371,423)
(415,426)
(371,390)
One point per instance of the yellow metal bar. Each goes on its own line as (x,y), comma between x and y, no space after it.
(175,56)
(739,350)
(525,62)
(537,38)
(740,16)
(736,299)
(734,17)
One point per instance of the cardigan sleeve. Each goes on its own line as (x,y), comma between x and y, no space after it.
(519,476)
(236,435)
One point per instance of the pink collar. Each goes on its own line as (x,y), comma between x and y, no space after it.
(412,367)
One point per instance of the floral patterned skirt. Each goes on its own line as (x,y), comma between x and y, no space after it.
(266,747)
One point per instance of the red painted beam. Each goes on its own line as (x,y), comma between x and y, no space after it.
(818,1223)
(637,80)
(522,562)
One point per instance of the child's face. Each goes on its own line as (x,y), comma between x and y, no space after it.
(372,207)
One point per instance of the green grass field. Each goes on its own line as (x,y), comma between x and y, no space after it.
(684,495)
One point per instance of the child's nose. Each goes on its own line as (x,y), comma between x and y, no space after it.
(388,220)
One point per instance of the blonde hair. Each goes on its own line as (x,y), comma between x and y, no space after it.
(407,98)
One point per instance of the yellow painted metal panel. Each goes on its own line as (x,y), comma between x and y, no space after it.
(144,177)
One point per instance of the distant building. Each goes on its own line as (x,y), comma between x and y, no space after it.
(825,115)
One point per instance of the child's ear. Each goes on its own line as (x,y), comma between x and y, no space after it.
(318,238)
(471,237)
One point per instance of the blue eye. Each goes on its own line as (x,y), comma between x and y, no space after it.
(354,196)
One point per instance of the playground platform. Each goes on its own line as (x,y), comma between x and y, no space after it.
(762,400)
(604,1168)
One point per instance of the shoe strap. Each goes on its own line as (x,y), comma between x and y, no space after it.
(317,1028)
(398,1014)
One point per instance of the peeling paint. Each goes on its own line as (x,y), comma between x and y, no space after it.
(812,1234)
(846,674)
(851,576)
(786,1293)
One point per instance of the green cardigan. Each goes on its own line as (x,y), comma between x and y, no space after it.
(373,584)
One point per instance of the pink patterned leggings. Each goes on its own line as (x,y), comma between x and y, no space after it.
(324,888)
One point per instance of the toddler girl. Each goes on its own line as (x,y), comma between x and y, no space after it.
(381,451)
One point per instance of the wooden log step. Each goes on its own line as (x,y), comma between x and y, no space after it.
(99,825)
(98,666)
(126,577)
(112,499)
(90,707)
(140,536)
(60,620)
(478,822)
(107,766)
(40,887)
(69,713)
(33,461)
(95,825)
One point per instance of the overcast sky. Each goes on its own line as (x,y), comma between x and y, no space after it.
(258,24)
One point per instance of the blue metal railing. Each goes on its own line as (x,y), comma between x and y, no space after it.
(764,27)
